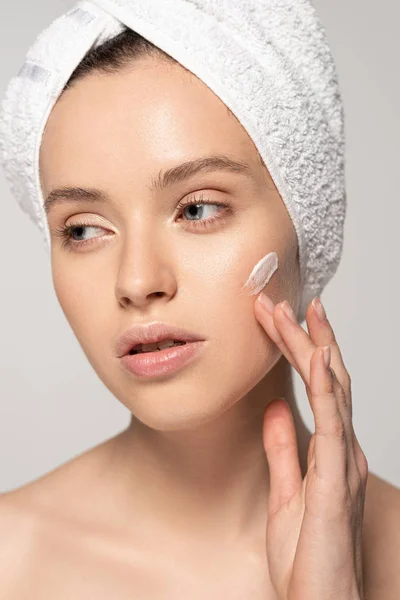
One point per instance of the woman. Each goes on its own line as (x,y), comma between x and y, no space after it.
(216,487)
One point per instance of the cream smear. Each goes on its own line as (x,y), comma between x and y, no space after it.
(262,273)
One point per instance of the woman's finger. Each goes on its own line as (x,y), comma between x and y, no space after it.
(330,439)
(311,452)
(280,445)
(322,334)
(297,346)
(264,308)
(295,338)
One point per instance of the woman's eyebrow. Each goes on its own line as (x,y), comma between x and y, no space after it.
(181,172)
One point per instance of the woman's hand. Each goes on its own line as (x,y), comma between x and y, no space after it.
(314,528)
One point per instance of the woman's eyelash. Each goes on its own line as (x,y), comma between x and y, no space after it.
(65,232)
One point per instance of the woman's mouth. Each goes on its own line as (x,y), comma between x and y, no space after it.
(155,346)
(152,362)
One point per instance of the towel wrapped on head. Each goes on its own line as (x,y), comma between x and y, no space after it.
(269,61)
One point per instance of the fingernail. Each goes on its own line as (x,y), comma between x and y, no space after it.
(266,302)
(288,311)
(319,308)
(327,356)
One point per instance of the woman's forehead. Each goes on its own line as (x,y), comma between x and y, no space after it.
(143,111)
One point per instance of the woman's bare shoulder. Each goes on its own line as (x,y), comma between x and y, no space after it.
(31,519)
(381,540)
(18,529)
(37,536)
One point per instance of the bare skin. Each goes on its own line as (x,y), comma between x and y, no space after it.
(59,537)
(175,506)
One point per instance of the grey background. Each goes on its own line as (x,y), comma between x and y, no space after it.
(53,405)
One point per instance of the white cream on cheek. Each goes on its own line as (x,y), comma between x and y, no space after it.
(262,273)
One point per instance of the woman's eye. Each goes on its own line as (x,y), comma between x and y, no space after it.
(205,212)
(199,213)
(67,234)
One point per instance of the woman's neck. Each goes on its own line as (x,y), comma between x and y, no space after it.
(212,480)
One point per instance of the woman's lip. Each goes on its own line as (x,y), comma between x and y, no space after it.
(162,362)
(151,333)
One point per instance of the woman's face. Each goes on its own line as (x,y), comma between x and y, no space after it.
(141,258)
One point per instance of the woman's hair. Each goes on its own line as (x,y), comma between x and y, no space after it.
(117,53)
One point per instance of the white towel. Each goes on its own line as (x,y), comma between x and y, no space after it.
(269,61)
